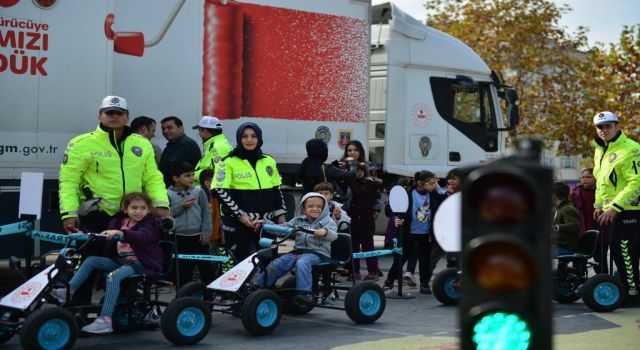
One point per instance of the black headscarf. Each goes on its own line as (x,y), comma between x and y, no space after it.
(240,152)
(311,167)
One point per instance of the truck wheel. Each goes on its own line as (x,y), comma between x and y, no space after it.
(261,312)
(365,302)
(446,286)
(50,328)
(192,289)
(564,286)
(186,321)
(603,293)
(291,306)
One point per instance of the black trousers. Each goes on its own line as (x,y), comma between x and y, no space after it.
(423,247)
(192,245)
(240,240)
(625,247)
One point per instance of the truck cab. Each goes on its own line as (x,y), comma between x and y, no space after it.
(434,103)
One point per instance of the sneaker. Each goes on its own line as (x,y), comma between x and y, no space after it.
(388,286)
(305,298)
(101,325)
(372,277)
(409,279)
(60,294)
(425,289)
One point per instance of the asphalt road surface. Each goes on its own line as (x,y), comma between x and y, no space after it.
(418,323)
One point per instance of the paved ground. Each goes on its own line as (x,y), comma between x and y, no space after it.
(419,323)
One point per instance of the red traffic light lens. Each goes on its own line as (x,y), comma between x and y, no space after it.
(502,199)
(501,267)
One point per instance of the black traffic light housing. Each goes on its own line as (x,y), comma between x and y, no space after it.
(505,300)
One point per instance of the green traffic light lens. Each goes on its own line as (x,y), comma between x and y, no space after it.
(501,331)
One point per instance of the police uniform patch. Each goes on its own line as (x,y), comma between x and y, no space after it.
(220,175)
(269,170)
(137,151)
(65,159)
(612,157)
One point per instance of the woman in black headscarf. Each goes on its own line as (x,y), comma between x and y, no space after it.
(313,170)
(247,184)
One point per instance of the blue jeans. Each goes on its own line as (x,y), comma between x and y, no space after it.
(280,266)
(564,251)
(117,273)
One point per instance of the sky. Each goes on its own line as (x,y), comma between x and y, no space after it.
(605,18)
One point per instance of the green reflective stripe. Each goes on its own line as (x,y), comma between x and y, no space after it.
(626,258)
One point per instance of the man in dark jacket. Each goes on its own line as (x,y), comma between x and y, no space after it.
(180,148)
(566,226)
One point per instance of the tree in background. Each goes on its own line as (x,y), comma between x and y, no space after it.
(560,87)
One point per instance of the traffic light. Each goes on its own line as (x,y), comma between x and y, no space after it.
(505,301)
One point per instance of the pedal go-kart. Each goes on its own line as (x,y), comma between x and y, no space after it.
(446,286)
(188,318)
(601,293)
(54,326)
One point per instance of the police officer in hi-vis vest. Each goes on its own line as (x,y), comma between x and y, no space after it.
(99,168)
(617,203)
(247,183)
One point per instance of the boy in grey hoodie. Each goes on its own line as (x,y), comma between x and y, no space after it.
(309,249)
(190,209)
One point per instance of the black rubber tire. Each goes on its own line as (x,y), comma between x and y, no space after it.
(373,294)
(172,314)
(192,289)
(263,302)
(290,306)
(6,333)
(562,292)
(593,284)
(440,286)
(32,325)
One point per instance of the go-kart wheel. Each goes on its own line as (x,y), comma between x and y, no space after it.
(192,289)
(446,286)
(261,312)
(50,328)
(564,287)
(603,293)
(186,321)
(7,332)
(365,302)
(291,306)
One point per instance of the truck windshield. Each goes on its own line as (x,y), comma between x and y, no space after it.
(470,110)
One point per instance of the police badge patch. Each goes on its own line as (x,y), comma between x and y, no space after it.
(220,175)
(269,170)
(137,151)
(612,157)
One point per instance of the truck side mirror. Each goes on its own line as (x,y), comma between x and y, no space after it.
(513,109)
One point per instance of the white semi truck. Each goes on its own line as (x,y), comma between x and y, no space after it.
(338,70)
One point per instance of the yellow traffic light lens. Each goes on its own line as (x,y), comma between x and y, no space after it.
(503,199)
(501,267)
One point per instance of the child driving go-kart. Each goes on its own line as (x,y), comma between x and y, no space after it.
(313,213)
(131,248)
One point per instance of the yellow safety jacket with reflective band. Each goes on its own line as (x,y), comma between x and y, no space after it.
(214,149)
(109,169)
(616,168)
(245,190)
